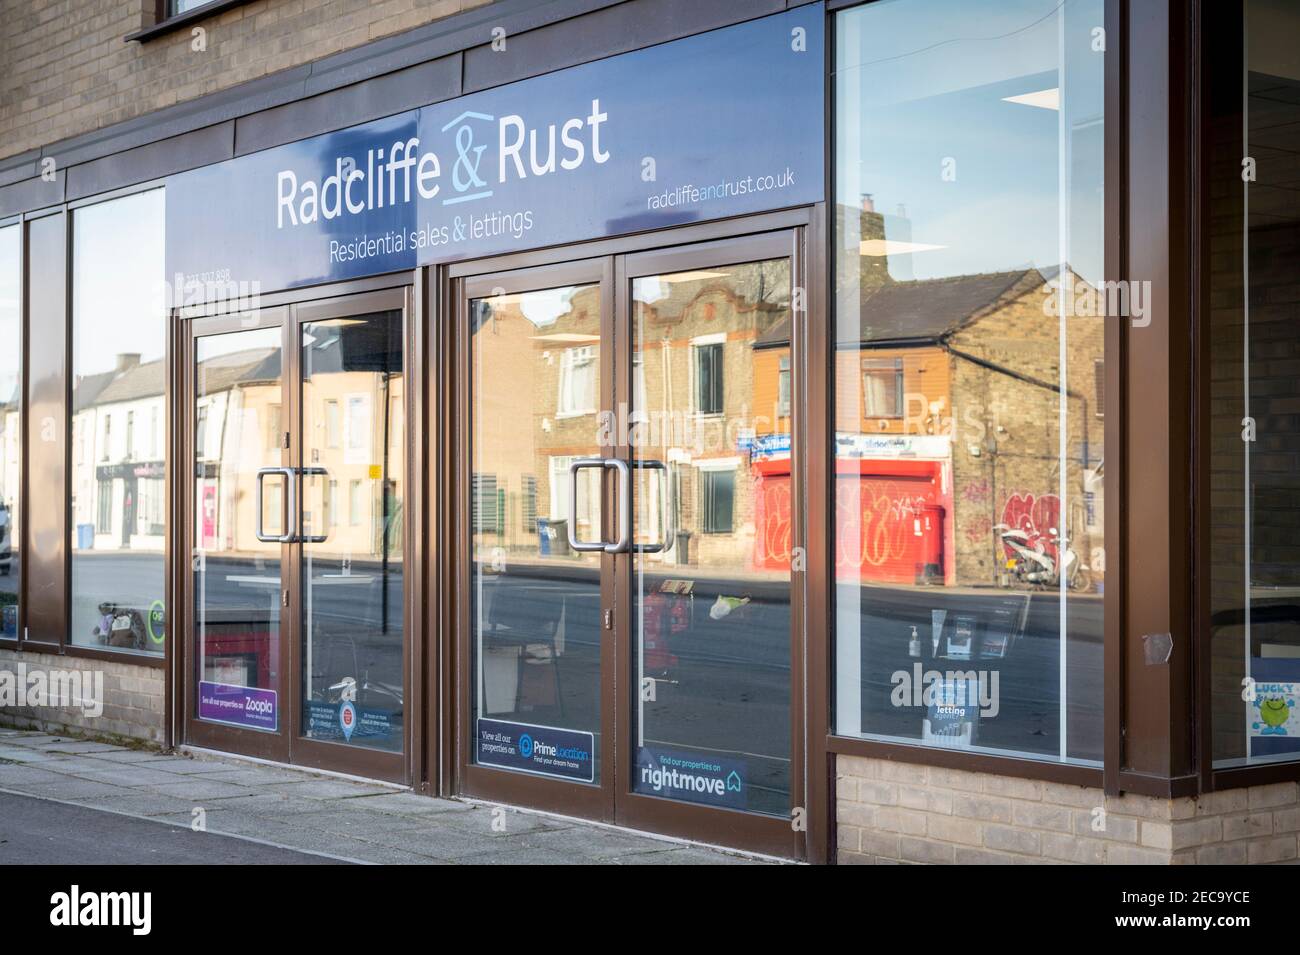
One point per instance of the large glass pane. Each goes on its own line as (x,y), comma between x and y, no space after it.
(1253,368)
(11,356)
(969,364)
(117,432)
(710,435)
(353,436)
(536,601)
(236,576)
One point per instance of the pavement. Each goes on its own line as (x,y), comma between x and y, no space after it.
(77,801)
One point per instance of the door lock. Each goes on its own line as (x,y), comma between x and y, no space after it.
(609,620)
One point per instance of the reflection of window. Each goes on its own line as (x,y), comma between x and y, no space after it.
(331,423)
(154,450)
(130,435)
(354,503)
(201,431)
(577,381)
(103,507)
(530,503)
(107,436)
(486,519)
(1099,386)
(717,501)
(332,504)
(272,427)
(882,387)
(783,388)
(708,377)
(358,424)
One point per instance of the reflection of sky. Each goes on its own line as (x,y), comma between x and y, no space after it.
(928,81)
(118,276)
(10,325)
(545,307)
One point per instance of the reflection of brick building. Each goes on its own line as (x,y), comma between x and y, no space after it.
(704,399)
(947,397)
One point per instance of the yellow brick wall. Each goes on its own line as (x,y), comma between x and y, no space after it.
(65,70)
(891,812)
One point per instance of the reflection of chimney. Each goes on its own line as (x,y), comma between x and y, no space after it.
(127,360)
(868,203)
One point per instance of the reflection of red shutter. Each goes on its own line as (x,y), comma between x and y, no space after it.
(889,521)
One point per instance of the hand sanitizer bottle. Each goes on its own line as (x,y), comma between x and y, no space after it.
(914,644)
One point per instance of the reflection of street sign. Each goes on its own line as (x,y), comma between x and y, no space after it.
(155,623)
(770,445)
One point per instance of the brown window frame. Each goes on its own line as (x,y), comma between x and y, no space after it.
(158,20)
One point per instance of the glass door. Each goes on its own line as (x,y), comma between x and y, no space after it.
(629,478)
(350,543)
(709,617)
(297,594)
(240,496)
(536,516)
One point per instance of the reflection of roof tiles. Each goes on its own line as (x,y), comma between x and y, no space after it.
(140,381)
(924,310)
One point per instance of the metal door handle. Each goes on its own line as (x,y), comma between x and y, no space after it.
(624,518)
(288,507)
(310,538)
(667,509)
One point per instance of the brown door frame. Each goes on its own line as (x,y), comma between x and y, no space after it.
(288,311)
(771,235)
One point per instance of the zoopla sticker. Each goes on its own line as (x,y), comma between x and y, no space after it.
(239,706)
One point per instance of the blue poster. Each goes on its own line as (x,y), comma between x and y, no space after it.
(691,777)
(714,125)
(546,750)
(346,720)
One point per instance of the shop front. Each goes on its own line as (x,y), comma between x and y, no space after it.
(495,493)
(847,431)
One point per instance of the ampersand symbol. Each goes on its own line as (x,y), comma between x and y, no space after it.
(465,166)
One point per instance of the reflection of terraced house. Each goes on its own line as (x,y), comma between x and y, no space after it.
(118,443)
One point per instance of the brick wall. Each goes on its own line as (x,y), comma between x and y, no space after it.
(889,812)
(64,69)
(132,697)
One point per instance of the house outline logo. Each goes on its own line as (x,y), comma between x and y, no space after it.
(733,782)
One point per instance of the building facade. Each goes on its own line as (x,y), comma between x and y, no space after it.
(848,431)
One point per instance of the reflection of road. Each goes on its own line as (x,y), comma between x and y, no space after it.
(721,684)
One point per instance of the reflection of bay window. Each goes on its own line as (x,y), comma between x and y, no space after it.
(577,381)
(486,518)
(882,387)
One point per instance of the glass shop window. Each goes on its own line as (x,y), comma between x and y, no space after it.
(968,549)
(1251,363)
(11,390)
(119,341)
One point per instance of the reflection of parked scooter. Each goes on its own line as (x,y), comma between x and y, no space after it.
(1033,565)
(119,627)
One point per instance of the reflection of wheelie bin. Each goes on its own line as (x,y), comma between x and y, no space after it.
(85,536)
(552,537)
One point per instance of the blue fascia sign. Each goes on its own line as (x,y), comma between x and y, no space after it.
(719,124)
